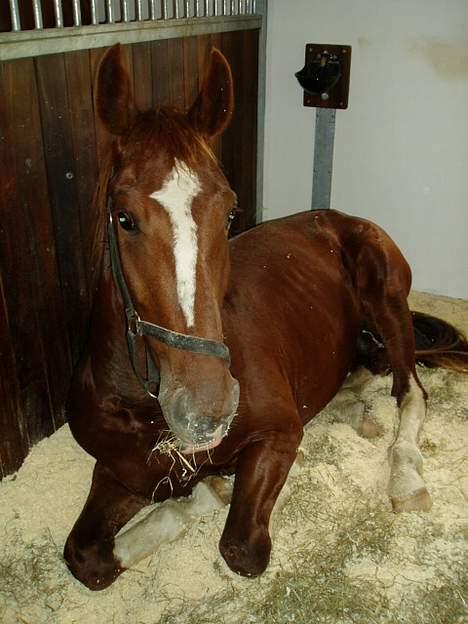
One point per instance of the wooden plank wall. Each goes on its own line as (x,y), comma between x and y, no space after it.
(50,149)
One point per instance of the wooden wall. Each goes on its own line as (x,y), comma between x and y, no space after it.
(50,149)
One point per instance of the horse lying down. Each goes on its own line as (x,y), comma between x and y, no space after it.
(207,356)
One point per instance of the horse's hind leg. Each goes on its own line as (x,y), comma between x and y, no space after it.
(89,550)
(383,294)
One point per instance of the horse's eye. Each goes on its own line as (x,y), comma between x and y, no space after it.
(126,222)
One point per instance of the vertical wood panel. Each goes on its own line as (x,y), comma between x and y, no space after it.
(161,72)
(142,76)
(238,151)
(83,138)
(25,301)
(61,173)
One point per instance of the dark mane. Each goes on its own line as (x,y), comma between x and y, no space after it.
(164,127)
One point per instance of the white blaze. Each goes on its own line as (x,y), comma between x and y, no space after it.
(176,196)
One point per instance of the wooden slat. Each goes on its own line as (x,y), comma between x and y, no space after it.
(83,136)
(191,69)
(61,173)
(13,434)
(238,152)
(161,72)
(23,238)
(142,76)
(175,75)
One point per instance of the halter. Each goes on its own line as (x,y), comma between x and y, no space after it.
(137,327)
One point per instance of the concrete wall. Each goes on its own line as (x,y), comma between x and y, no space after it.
(401,151)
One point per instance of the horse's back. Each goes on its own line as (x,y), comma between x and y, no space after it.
(295,307)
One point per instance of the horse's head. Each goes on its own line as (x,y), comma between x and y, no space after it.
(171,206)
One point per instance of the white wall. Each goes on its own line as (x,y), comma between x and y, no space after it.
(401,148)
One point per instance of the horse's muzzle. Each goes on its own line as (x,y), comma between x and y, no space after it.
(200,426)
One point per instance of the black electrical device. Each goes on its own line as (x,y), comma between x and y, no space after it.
(325,75)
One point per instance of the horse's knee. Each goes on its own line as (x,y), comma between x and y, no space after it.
(93,564)
(247,557)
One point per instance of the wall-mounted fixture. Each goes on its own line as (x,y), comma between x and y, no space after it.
(325,75)
(325,80)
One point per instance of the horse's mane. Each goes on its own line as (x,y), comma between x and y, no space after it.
(165,127)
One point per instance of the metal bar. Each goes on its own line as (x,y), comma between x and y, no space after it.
(37,10)
(215,8)
(124,10)
(176,9)
(254,6)
(95,12)
(58,13)
(197,8)
(323,158)
(53,40)
(261,107)
(153,10)
(139,11)
(187,8)
(110,11)
(233,7)
(225,7)
(15,16)
(241,7)
(164,10)
(76,13)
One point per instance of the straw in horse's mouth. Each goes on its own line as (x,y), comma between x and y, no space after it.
(216,439)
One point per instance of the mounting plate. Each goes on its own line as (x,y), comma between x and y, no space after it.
(325,76)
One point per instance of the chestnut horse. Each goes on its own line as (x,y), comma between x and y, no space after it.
(226,348)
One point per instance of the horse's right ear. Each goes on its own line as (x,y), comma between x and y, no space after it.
(113,98)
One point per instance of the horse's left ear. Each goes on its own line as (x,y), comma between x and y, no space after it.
(212,110)
(112,93)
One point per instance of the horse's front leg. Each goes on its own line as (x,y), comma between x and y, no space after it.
(261,472)
(89,550)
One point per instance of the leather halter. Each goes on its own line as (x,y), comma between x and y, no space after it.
(137,327)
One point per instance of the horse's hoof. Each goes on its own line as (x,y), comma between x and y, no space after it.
(95,566)
(418,501)
(244,559)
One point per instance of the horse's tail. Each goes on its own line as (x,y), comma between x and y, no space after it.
(439,343)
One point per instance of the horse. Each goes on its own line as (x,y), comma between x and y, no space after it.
(207,354)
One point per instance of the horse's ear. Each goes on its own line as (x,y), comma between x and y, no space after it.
(212,110)
(112,93)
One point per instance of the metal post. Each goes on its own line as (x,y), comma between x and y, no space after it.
(76,13)
(124,10)
(110,11)
(187,8)
(15,16)
(139,11)
(176,9)
(164,10)
(94,12)
(197,8)
(215,8)
(323,158)
(263,10)
(153,11)
(58,13)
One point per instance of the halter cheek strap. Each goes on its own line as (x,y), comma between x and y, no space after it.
(139,328)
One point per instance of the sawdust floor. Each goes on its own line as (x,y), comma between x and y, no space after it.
(340,555)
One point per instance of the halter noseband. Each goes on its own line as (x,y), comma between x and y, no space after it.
(136,327)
